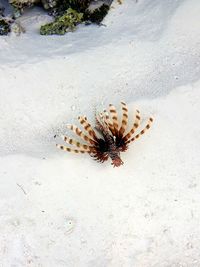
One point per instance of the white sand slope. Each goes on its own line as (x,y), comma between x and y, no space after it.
(59,209)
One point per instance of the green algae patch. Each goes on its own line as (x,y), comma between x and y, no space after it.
(62,24)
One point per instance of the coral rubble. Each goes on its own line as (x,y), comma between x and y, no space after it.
(67,13)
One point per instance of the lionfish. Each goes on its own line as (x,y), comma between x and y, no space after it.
(108,138)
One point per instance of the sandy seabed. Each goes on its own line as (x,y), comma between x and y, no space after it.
(59,209)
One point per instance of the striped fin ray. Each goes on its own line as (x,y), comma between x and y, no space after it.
(108,121)
(124,119)
(68,149)
(88,128)
(80,133)
(114,117)
(141,132)
(76,143)
(135,126)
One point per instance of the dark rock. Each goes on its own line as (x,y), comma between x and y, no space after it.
(97,10)
(4,26)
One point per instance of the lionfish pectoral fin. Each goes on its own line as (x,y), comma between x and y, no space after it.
(68,149)
(135,126)
(148,125)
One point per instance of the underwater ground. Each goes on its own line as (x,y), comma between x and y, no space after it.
(60,209)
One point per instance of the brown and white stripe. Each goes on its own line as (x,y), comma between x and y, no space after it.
(68,149)
(141,132)
(105,118)
(114,117)
(78,132)
(76,143)
(124,119)
(135,126)
(88,128)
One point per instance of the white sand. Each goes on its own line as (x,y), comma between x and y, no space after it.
(59,209)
